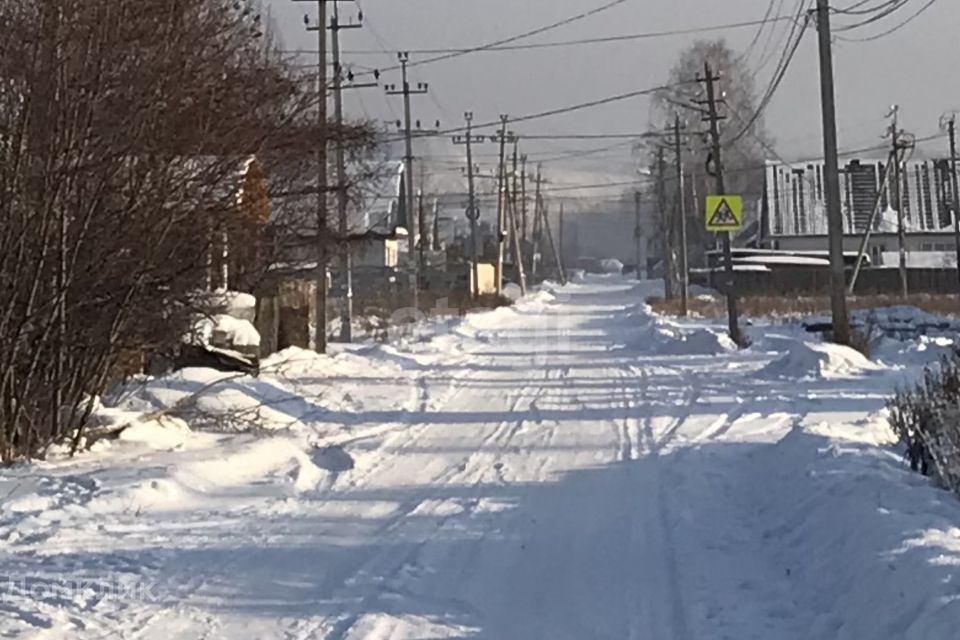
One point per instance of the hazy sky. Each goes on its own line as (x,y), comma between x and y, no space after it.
(915,67)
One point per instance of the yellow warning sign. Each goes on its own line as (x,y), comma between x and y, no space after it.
(724,213)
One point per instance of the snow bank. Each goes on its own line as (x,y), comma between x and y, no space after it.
(674,341)
(657,335)
(926,350)
(869,548)
(813,360)
(207,398)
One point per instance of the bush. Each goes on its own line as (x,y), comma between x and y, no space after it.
(927,420)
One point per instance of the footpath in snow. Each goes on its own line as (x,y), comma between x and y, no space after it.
(573,467)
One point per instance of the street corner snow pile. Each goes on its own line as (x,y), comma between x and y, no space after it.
(819,360)
(674,341)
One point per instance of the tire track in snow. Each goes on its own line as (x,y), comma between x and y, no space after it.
(664,549)
(386,567)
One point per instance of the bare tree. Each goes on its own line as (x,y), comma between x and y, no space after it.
(122,127)
(744,136)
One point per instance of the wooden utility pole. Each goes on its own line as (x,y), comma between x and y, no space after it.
(733,320)
(955,198)
(503,137)
(435,243)
(831,179)
(320,331)
(562,230)
(682,210)
(523,200)
(667,237)
(514,230)
(894,132)
(411,221)
(865,241)
(346,253)
(422,240)
(554,250)
(638,236)
(536,237)
(514,221)
(473,211)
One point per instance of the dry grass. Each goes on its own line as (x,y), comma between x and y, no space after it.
(790,307)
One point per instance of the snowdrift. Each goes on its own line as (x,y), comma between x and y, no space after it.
(813,360)
(654,334)
(924,351)
(675,342)
(210,399)
(869,548)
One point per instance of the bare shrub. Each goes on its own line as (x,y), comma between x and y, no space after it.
(927,420)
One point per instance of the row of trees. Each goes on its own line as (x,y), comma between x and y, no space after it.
(122,127)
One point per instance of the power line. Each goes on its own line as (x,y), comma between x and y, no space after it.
(895,28)
(521,36)
(580,41)
(562,110)
(785,60)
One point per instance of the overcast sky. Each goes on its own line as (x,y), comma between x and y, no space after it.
(915,67)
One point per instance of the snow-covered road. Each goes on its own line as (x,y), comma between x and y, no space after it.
(563,470)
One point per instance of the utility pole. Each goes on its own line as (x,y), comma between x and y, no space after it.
(514,231)
(406,92)
(831,179)
(346,253)
(894,132)
(503,137)
(561,231)
(951,122)
(667,238)
(733,320)
(523,200)
(536,237)
(435,244)
(682,209)
(865,241)
(638,235)
(422,243)
(554,249)
(320,331)
(473,211)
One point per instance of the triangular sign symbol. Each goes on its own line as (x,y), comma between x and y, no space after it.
(724,216)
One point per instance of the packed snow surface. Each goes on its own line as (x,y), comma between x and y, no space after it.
(569,468)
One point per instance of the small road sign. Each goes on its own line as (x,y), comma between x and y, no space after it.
(724,213)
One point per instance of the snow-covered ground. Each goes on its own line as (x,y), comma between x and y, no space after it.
(570,468)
